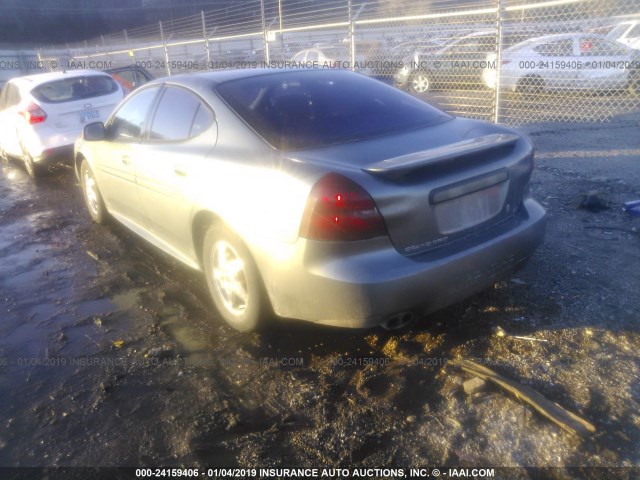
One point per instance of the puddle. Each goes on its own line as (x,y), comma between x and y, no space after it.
(119,302)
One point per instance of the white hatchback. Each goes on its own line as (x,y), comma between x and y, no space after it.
(42,115)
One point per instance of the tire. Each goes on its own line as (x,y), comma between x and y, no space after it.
(233,280)
(3,155)
(30,166)
(419,83)
(91,193)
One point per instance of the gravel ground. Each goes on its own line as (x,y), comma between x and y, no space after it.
(111,355)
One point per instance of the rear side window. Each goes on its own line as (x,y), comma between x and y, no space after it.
(560,48)
(180,115)
(310,108)
(76,88)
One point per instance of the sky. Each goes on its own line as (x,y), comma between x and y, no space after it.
(43,22)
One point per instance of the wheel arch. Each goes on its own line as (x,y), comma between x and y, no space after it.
(199,226)
(77,162)
(203,220)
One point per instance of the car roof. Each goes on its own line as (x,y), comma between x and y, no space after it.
(40,78)
(554,37)
(560,36)
(219,76)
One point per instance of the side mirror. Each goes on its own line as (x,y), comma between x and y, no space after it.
(94,132)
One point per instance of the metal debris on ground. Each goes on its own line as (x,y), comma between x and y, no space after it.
(500,332)
(632,208)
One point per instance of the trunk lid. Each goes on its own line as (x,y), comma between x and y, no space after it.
(74,102)
(439,184)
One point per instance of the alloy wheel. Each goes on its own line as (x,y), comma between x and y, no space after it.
(229,278)
(420,83)
(91,191)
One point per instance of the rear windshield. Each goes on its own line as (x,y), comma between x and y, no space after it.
(76,88)
(310,108)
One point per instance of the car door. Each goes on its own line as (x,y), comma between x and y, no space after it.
(472,54)
(9,118)
(180,136)
(114,167)
(604,64)
(558,63)
(458,65)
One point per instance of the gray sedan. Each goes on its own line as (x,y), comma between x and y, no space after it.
(319,195)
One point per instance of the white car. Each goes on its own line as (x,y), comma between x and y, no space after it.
(573,61)
(42,115)
(626,32)
(323,57)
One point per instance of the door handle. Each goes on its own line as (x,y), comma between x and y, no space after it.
(181,172)
(126,160)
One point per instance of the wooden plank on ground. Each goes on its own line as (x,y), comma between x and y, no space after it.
(551,410)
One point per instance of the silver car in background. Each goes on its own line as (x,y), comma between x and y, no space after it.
(572,61)
(320,195)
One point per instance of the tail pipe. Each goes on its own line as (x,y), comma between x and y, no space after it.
(398,321)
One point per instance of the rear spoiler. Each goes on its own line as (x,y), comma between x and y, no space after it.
(398,166)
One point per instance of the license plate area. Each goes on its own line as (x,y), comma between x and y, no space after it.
(455,210)
(89,116)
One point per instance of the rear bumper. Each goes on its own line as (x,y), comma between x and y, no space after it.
(55,155)
(47,145)
(364,285)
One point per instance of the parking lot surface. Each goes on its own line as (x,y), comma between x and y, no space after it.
(111,353)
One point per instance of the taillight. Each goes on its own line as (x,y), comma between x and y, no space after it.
(34,114)
(339,209)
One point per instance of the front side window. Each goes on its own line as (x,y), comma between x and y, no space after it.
(180,115)
(299,57)
(128,122)
(75,88)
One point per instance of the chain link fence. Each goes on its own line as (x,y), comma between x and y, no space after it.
(508,61)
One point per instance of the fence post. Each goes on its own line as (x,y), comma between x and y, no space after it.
(166,52)
(352,39)
(264,32)
(130,52)
(206,39)
(40,61)
(104,46)
(498,87)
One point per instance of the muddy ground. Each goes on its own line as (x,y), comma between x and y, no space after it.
(111,354)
